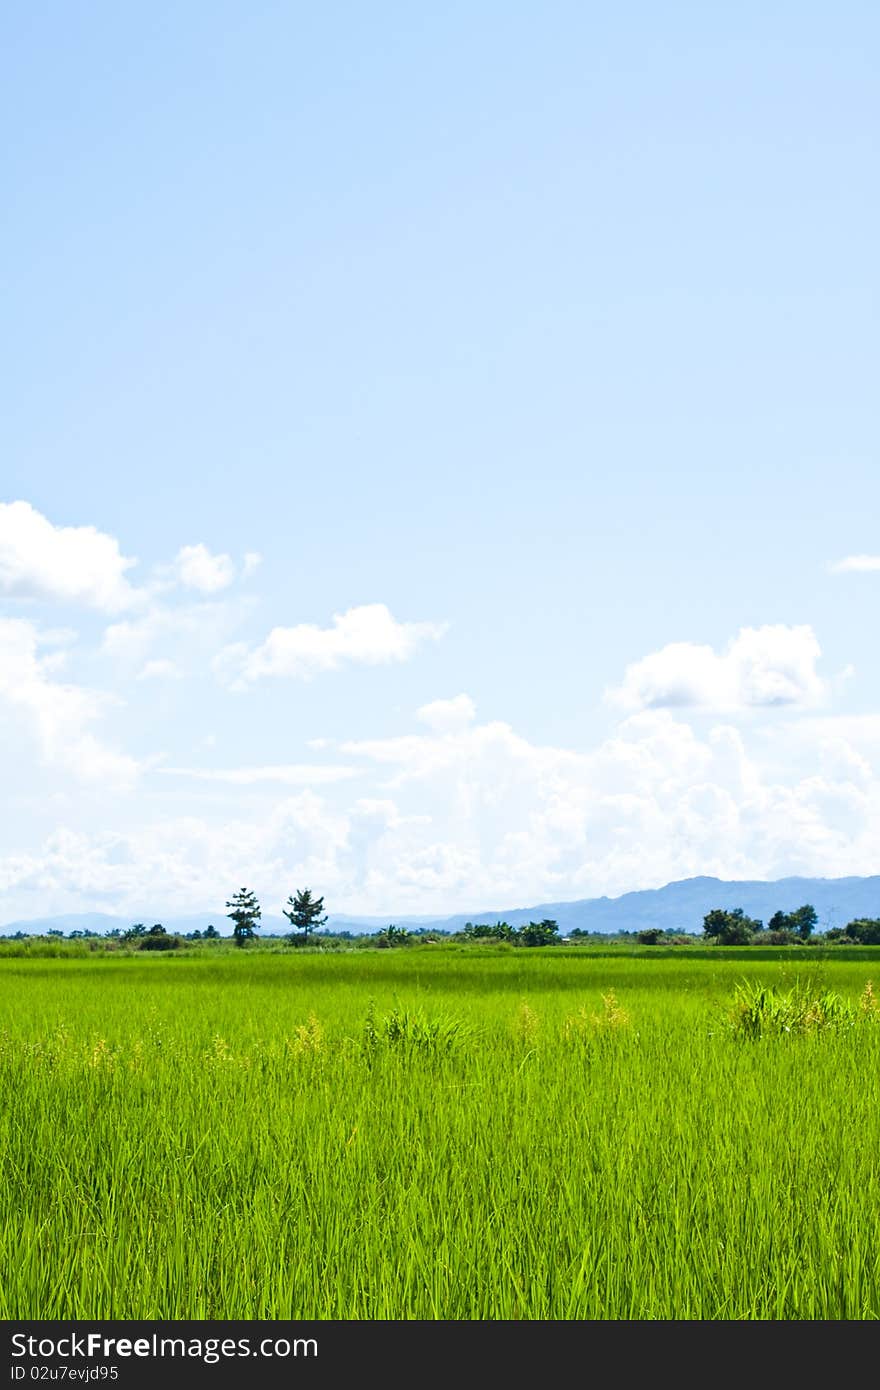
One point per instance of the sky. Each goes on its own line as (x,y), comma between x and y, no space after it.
(438,451)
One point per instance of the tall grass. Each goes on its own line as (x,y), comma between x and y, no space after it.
(435,1135)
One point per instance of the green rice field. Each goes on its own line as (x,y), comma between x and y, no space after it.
(441,1133)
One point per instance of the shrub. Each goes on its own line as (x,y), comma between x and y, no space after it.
(865,930)
(543,933)
(160,943)
(392,936)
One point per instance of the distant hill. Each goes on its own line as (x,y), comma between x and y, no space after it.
(680,906)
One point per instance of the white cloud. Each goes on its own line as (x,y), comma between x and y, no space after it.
(856,564)
(82,565)
(57,715)
(481,818)
(189,633)
(512,822)
(292,774)
(160,669)
(130,641)
(448,716)
(177,863)
(761,667)
(70,564)
(368,635)
(454,813)
(198,569)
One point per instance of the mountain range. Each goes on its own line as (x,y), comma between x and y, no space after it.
(680,906)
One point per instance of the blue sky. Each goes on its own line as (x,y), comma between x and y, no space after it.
(515,366)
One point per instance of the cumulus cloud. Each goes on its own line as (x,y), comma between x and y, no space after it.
(178,863)
(57,715)
(514,822)
(82,565)
(479,817)
(292,774)
(761,667)
(188,633)
(453,812)
(856,564)
(160,669)
(447,716)
(197,568)
(69,564)
(367,635)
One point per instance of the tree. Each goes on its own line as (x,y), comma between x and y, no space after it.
(731,928)
(803,921)
(864,930)
(839,935)
(542,933)
(393,936)
(479,931)
(245,913)
(715,922)
(304,913)
(211,932)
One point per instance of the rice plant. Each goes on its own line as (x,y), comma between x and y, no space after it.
(397,1136)
(759,1010)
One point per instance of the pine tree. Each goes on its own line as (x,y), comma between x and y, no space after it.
(245,914)
(304,913)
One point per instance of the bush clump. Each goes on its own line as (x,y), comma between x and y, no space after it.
(160,943)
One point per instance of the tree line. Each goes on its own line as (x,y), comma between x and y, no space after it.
(305,913)
(731,927)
